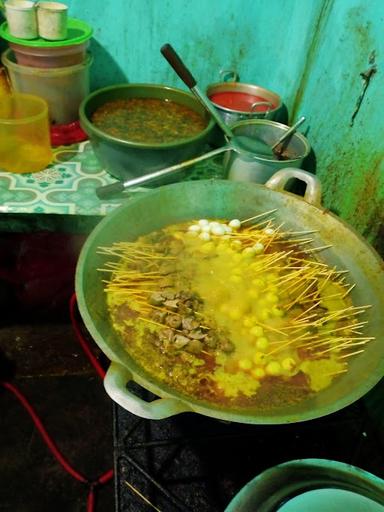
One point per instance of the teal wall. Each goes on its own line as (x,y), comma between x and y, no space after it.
(311,52)
(350,158)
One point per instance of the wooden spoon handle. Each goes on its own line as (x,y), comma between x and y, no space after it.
(178,65)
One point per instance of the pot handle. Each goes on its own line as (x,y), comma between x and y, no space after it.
(229,75)
(313,190)
(263,103)
(115,382)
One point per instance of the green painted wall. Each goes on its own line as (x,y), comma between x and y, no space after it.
(311,52)
(348,41)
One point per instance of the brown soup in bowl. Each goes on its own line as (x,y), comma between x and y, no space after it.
(148,120)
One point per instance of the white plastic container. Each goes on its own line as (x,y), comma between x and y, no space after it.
(52,19)
(21,18)
(62,88)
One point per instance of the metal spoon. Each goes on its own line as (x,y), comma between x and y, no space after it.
(285,136)
(278,147)
(253,145)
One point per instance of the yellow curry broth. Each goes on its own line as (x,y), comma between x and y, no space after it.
(246,354)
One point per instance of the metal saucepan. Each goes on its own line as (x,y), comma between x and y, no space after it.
(266,105)
(227,199)
(245,167)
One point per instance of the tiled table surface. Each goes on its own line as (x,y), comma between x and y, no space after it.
(67,186)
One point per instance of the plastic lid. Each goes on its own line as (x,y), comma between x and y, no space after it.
(78,32)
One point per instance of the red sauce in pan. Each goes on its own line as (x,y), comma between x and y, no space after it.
(240,101)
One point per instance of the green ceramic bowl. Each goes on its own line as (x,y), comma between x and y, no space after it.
(311,485)
(124,159)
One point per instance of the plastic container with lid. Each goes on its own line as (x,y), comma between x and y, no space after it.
(62,88)
(40,53)
(24,133)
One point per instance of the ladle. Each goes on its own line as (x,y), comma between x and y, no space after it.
(249,144)
(107,191)
(186,76)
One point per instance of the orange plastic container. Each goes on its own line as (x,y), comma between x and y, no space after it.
(49,57)
(24,134)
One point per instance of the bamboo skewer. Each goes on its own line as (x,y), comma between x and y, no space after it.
(259,215)
(308,323)
(317,249)
(146,500)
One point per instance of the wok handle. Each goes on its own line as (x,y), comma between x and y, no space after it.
(313,190)
(115,384)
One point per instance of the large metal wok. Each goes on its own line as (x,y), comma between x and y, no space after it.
(226,199)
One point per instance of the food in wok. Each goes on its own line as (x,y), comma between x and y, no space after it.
(235,313)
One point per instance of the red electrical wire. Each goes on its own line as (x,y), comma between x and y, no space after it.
(44,434)
(105,477)
(84,344)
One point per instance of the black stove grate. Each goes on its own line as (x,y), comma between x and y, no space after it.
(191,463)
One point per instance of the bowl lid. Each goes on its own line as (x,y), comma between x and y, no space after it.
(78,32)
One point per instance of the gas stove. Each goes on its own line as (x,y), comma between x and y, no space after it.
(191,463)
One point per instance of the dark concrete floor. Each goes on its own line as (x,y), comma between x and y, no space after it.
(40,354)
(69,397)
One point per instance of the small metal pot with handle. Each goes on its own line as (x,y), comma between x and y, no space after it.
(242,166)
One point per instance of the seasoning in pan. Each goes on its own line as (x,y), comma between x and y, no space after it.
(148,120)
(233,313)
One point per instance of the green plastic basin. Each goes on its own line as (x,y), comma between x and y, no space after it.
(126,159)
(311,485)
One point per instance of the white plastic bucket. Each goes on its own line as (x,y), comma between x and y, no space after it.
(62,88)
